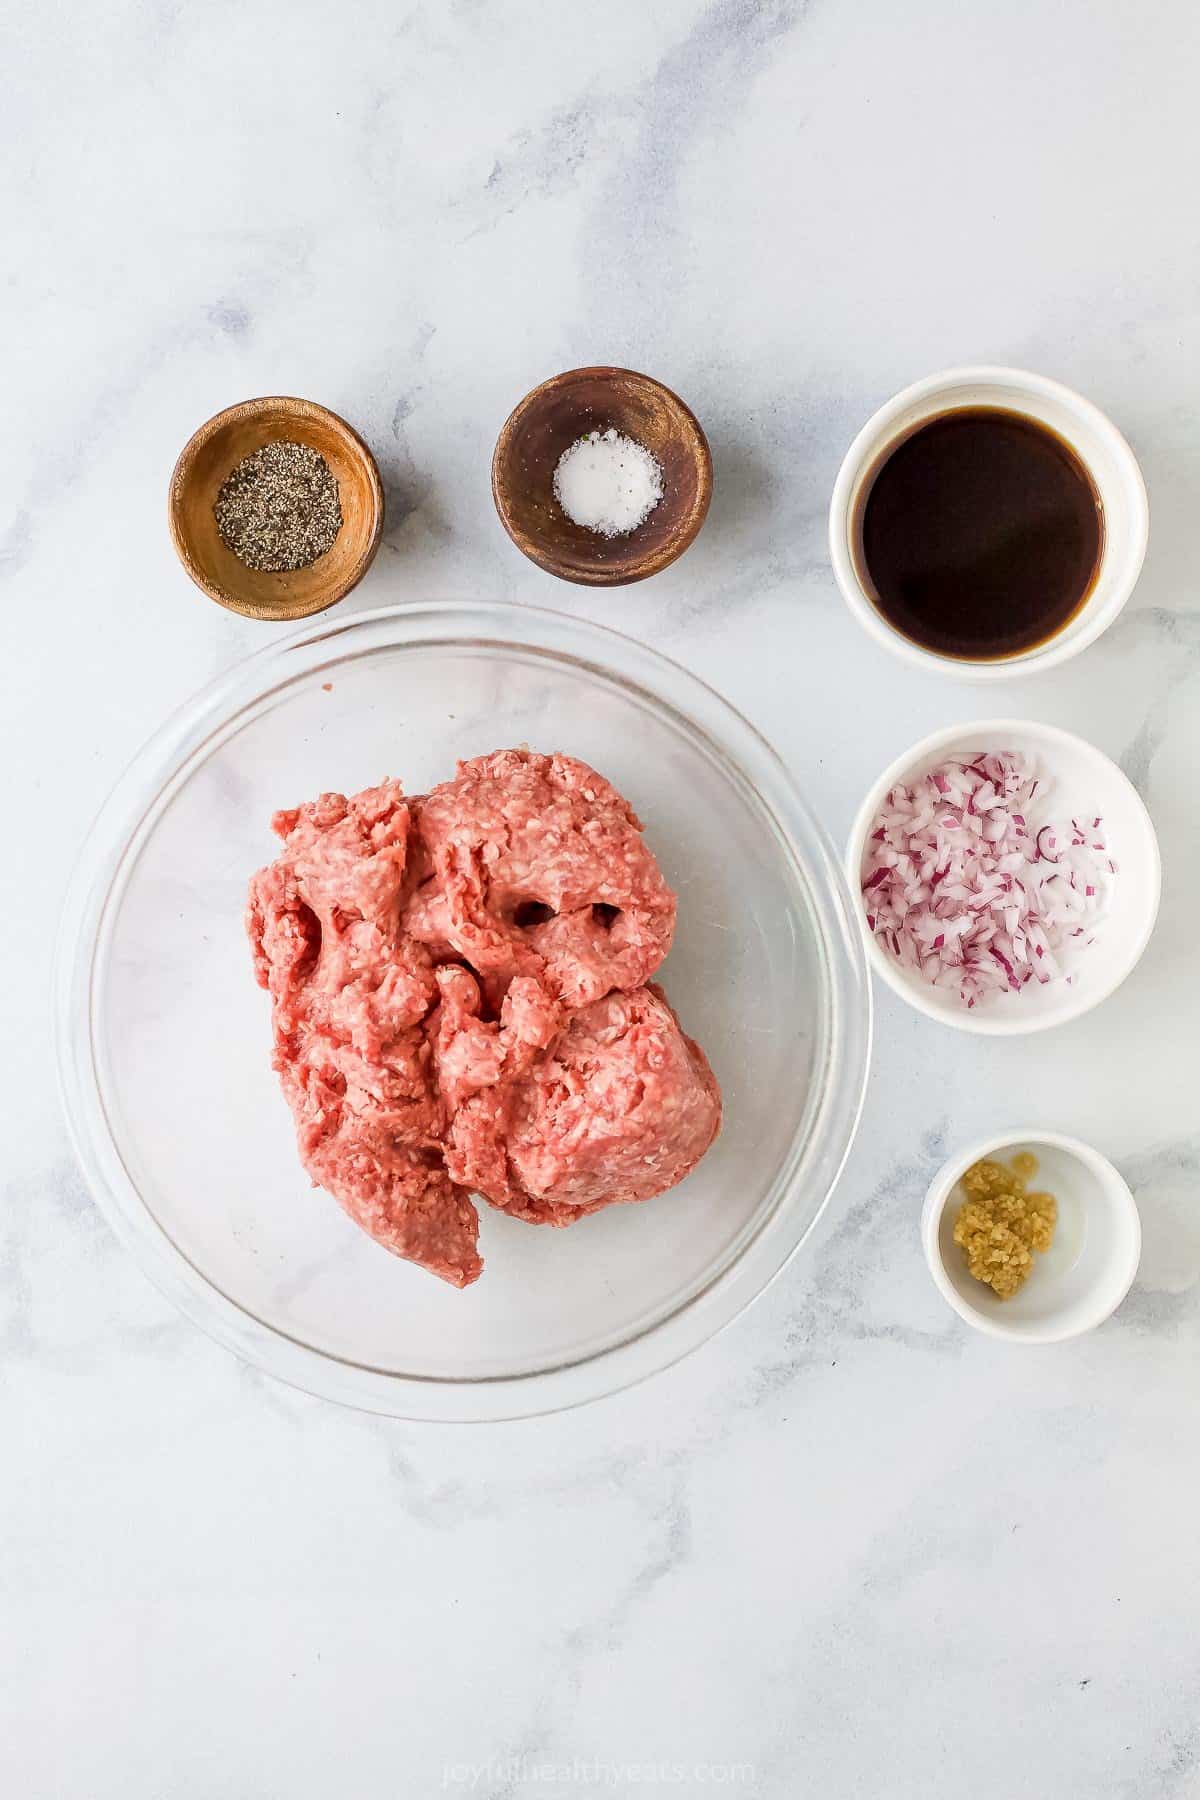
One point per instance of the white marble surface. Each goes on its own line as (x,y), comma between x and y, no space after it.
(849,1546)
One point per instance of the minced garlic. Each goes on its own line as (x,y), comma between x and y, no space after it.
(1000,1224)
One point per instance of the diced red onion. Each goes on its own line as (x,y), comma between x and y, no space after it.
(965,883)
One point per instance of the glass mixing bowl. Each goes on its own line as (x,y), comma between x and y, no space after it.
(164,1038)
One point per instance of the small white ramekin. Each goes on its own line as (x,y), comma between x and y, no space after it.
(1084,780)
(1095,440)
(1088,1269)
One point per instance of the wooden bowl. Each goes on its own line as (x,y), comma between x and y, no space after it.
(215,450)
(547,422)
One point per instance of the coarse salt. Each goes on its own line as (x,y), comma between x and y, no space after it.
(608,483)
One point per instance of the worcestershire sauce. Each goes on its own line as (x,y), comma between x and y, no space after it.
(981,534)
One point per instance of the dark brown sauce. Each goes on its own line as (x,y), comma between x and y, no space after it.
(981,534)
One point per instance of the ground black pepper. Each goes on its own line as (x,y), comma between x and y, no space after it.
(279,509)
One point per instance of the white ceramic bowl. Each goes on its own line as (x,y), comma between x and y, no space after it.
(1088,1269)
(1095,440)
(1085,780)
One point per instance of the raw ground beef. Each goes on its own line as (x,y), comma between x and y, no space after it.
(536,866)
(621,1106)
(458,1001)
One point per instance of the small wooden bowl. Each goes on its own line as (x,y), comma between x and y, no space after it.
(547,422)
(215,450)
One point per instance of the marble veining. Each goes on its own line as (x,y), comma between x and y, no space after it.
(849,1548)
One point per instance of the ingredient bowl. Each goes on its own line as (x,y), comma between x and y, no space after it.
(1095,440)
(1083,781)
(553,417)
(1088,1269)
(164,1039)
(210,455)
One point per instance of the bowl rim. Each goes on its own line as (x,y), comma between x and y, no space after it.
(155,772)
(937,1198)
(1093,621)
(287,406)
(1079,1000)
(615,574)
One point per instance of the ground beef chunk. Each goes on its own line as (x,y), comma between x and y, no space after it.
(621,1107)
(538,867)
(350,995)
(458,1003)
